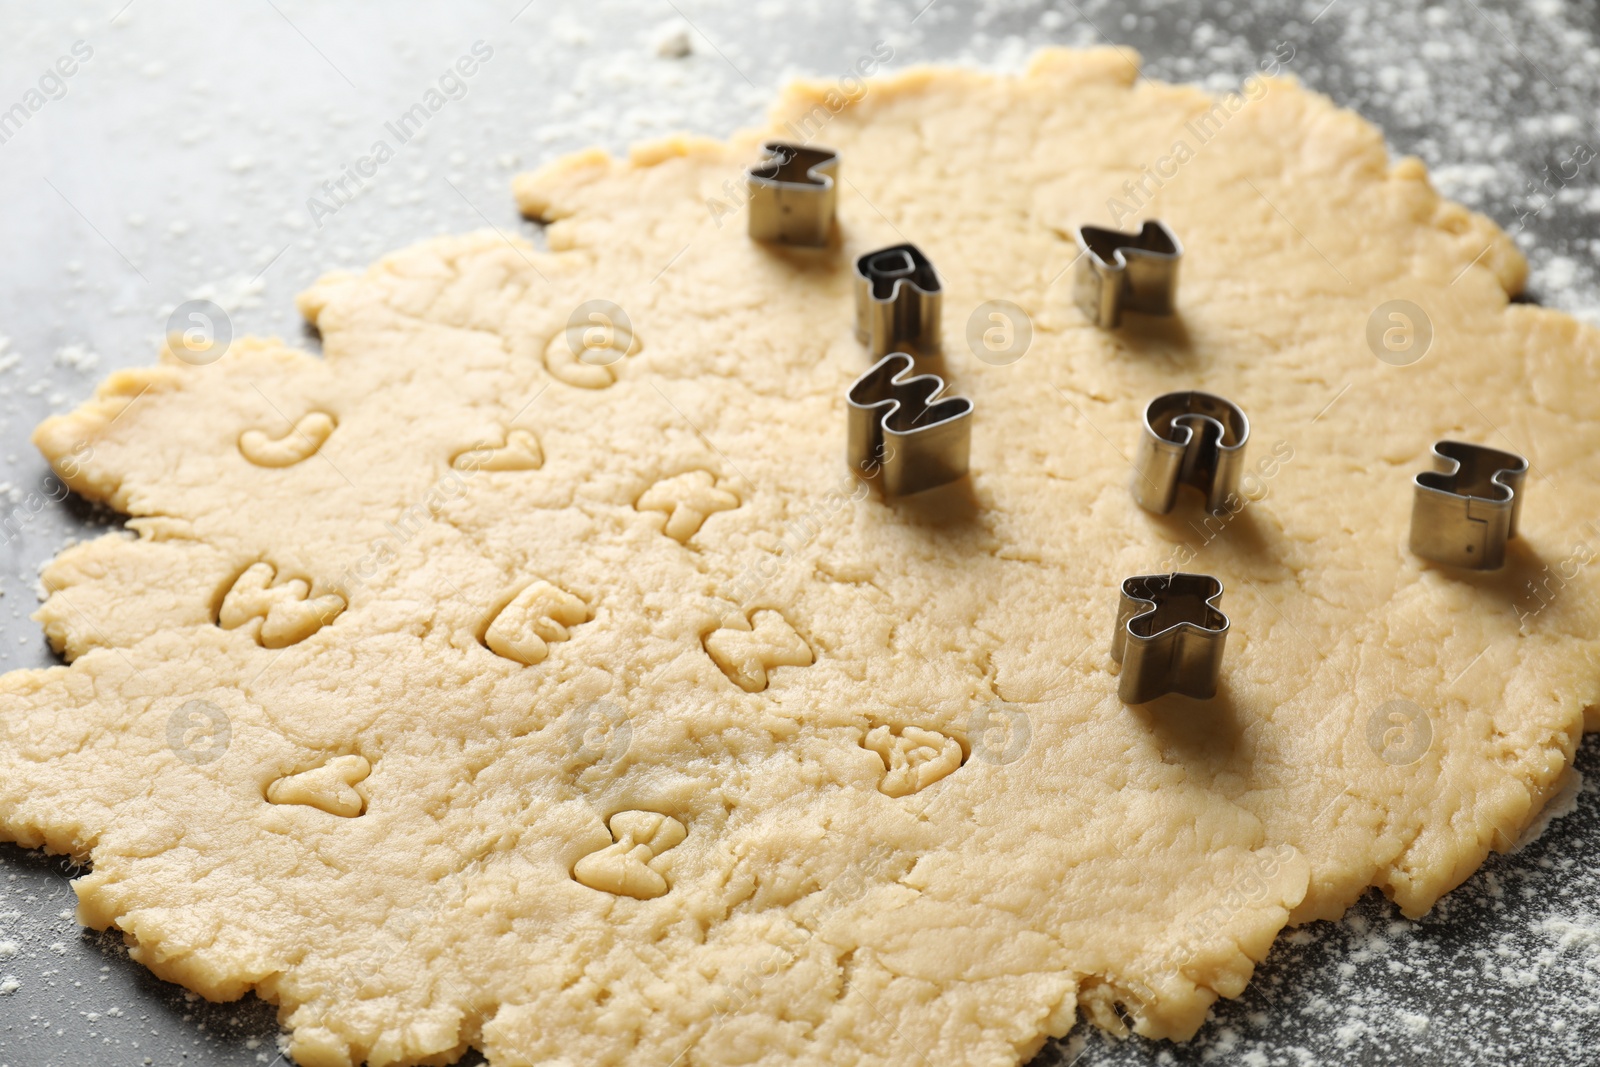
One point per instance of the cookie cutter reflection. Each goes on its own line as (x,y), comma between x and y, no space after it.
(898,301)
(1169,637)
(1465,510)
(793,193)
(903,432)
(1189,438)
(198,733)
(1126,271)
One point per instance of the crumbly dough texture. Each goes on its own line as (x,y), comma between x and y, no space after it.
(458,691)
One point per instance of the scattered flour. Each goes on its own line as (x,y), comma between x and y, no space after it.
(1569,935)
(1349,1033)
(233,294)
(77,357)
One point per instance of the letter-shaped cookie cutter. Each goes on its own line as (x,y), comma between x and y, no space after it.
(1136,271)
(1466,508)
(901,430)
(1169,637)
(1190,437)
(898,295)
(793,192)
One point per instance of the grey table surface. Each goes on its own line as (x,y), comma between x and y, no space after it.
(177,162)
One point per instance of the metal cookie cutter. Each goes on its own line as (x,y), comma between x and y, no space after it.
(898,295)
(1169,637)
(1466,508)
(1194,438)
(793,193)
(902,430)
(1136,271)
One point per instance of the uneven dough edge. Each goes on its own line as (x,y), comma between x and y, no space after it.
(541,193)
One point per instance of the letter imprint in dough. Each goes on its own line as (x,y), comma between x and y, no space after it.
(536,618)
(687,500)
(330,787)
(300,442)
(913,758)
(286,612)
(624,867)
(746,654)
(521,452)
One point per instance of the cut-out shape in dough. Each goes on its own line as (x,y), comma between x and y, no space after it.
(747,653)
(624,868)
(913,758)
(329,788)
(521,452)
(537,617)
(300,442)
(281,614)
(687,499)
